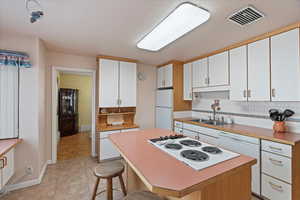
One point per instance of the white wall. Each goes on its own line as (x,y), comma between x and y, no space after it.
(30,151)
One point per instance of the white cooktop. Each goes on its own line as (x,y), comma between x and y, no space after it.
(197,165)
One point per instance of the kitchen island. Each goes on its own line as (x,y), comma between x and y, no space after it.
(148,167)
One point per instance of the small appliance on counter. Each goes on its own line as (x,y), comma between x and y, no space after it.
(279,119)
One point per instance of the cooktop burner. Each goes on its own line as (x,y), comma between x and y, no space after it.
(190,143)
(212,150)
(173,146)
(194,155)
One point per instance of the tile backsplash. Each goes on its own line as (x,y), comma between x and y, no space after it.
(249,113)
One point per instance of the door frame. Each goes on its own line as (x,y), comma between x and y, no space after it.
(54,96)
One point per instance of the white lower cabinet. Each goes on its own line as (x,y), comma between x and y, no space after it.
(7,162)
(178,130)
(190,134)
(107,149)
(275,189)
(208,139)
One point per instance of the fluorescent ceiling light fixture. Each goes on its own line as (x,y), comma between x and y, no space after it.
(182,20)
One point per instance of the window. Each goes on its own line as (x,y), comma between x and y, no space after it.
(10,64)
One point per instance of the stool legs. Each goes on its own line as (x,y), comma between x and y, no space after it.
(96,188)
(109,189)
(122,184)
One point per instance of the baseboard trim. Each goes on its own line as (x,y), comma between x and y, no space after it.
(29,183)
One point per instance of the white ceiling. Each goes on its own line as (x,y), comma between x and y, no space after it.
(113,27)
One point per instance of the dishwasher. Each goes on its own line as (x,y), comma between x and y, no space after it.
(248,146)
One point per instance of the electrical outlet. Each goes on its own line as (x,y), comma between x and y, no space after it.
(29,170)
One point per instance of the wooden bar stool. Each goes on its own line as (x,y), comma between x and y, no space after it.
(142,195)
(108,171)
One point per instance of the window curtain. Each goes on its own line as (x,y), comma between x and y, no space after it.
(10,63)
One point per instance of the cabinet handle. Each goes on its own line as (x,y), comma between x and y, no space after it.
(207,80)
(245,93)
(275,148)
(276,162)
(5,161)
(2,163)
(276,187)
(273,92)
(249,93)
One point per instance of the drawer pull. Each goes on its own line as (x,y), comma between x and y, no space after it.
(275,148)
(276,187)
(276,162)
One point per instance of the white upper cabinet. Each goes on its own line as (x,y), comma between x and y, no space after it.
(187,82)
(238,74)
(128,84)
(218,69)
(108,83)
(160,77)
(168,76)
(165,76)
(259,71)
(285,66)
(117,83)
(200,73)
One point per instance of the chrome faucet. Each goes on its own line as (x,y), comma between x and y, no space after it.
(215,107)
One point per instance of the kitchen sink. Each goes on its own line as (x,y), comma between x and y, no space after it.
(208,121)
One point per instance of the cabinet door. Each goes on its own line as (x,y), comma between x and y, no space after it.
(238,74)
(218,69)
(178,130)
(8,170)
(285,66)
(259,71)
(107,148)
(190,134)
(108,83)
(127,84)
(200,73)
(168,75)
(187,81)
(160,77)
(163,118)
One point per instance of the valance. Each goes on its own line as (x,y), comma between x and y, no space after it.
(18,59)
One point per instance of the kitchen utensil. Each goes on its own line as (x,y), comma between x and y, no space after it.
(288,113)
(274,114)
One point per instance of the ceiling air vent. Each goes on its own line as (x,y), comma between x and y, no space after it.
(246,16)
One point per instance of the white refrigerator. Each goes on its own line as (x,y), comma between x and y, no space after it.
(164,109)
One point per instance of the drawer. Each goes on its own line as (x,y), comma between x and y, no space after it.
(209,131)
(275,190)
(190,127)
(178,124)
(105,134)
(190,134)
(277,166)
(282,149)
(208,139)
(178,130)
(131,129)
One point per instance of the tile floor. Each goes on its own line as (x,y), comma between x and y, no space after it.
(74,146)
(67,180)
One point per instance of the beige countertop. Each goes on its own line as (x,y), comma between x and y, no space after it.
(252,131)
(171,175)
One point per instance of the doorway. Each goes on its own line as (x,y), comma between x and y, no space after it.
(73,113)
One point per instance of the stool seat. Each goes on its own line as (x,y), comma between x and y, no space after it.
(110,169)
(142,195)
